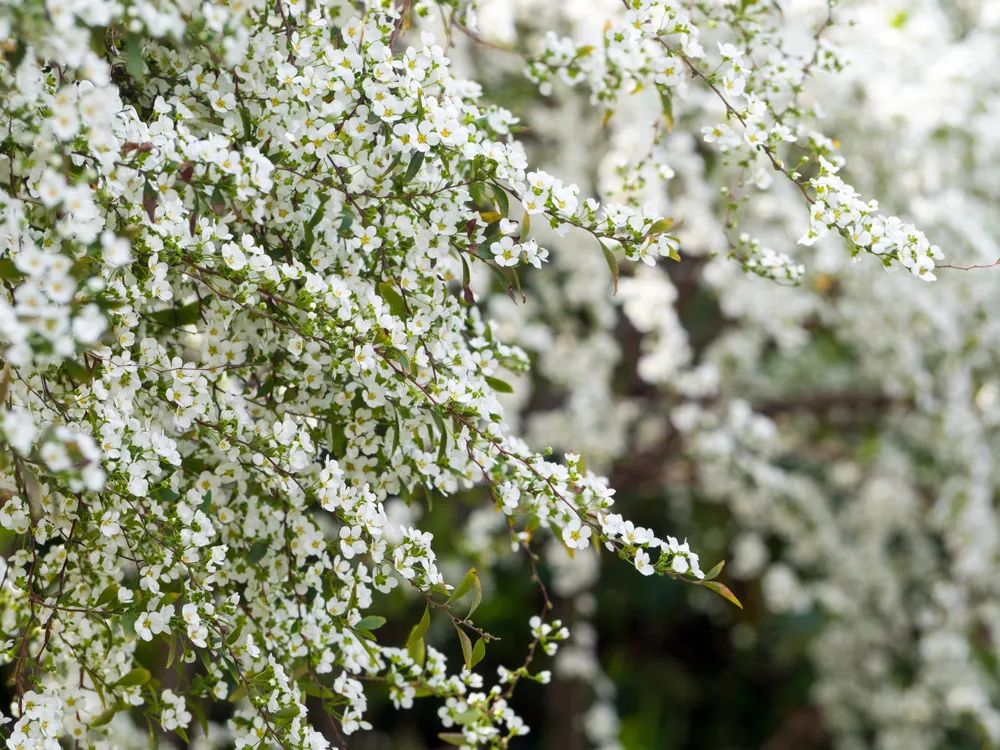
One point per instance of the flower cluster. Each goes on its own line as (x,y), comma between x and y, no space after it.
(843,436)
(238,248)
(267,270)
(839,208)
(657,45)
(767,263)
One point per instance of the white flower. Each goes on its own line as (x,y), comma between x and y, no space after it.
(576,535)
(367,239)
(20,430)
(505,252)
(116,250)
(642,563)
(234,256)
(351,541)
(109,523)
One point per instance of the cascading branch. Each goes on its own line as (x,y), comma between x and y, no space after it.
(758,83)
(236,250)
(899,537)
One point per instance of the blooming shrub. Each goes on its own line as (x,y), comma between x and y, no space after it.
(838,417)
(252,254)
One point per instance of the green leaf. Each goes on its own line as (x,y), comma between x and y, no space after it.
(425,623)
(257,551)
(172,654)
(138,676)
(467,295)
(660,227)
(311,226)
(612,261)
(397,430)
(234,636)
(415,643)
(164,494)
(135,63)
(516,279)
(288,712)
(466,645)
(667,105)
(194,708)
(371,622)
(318,691)
(317,216)
(239,693)
(393,299)
(525,227)
(452,738)
(217,201)
(108,715)
(479,194)
(8,271)
(178,316)
(443,446)
(169,598)
(503,203)
(478,651)
(77,372)
(195,215)
(477,596)
(149,201)
(338,440)
(416,649)
(248,129)
(722,590)
(110,594)
(346,220)
(499,385)
(464,586)
(413,167)
(128,623)
(17,54)
(714,572)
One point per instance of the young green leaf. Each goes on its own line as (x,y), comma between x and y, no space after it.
(256,552)
(135,63)
(612,262)
(393,299)
(477,596)
(415,643)
(714,572)
(464,586)
(660,227)
(499,385)
(108,715)
(722,590)
(502,201)
(371,622)
(138,676)
(413,167)
(478,652)
(466,645)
